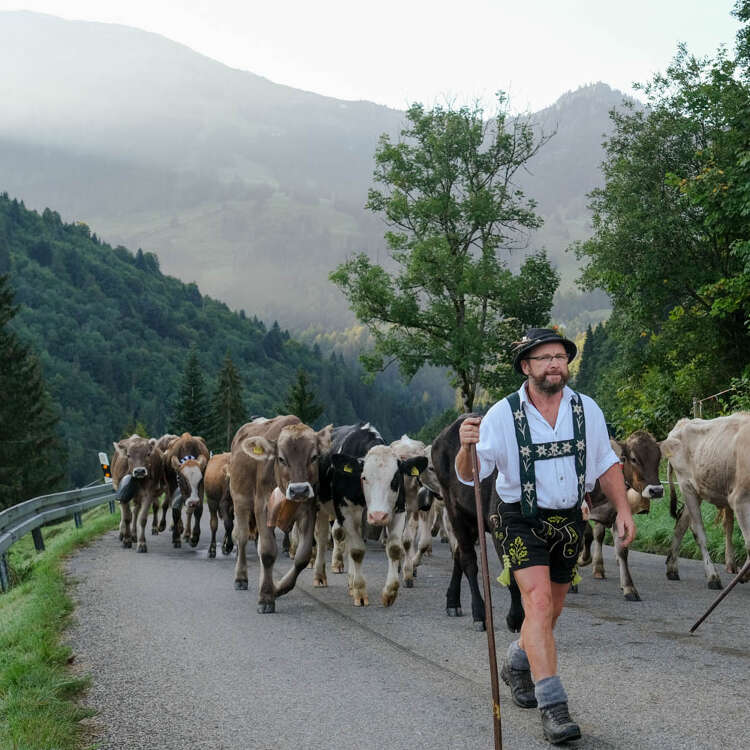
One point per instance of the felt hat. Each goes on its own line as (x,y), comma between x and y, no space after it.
(536,336)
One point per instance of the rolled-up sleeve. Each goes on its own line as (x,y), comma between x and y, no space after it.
(599,453)
(485,452)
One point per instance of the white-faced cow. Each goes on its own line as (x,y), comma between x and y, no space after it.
(138,462)
(460,508)
(184,464)
(274,473)
(640,457)
(361,472)
(711,458)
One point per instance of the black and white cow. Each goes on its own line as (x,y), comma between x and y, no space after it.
(361,473)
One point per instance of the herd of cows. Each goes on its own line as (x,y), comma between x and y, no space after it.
(339,484)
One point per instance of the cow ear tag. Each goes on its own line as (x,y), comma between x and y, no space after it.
(414,471)
(257,450)
(347,469)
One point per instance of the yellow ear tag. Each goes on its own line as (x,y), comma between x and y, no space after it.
(257,450)
(348,469)
(414,471)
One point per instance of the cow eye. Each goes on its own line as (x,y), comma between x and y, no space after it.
(364,478)
(634,459)
(282,460)
(313,459)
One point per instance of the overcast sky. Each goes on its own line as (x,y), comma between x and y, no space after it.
(395,52)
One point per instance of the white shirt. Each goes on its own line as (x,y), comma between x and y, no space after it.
(556,481)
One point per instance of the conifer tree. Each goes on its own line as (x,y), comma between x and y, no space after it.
(191,411)
(32,454)
(300,400)
(228,412)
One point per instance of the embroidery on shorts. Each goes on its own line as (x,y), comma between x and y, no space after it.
(518,553)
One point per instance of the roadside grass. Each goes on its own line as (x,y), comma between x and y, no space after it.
(655,530)
(38,708)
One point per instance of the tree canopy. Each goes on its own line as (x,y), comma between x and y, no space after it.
(454,214)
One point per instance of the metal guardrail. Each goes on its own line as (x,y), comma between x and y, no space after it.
(31,515)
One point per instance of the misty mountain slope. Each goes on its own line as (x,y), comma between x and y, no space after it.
(252,189)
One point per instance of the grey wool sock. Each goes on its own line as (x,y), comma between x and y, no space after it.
(517,657)
(550,691)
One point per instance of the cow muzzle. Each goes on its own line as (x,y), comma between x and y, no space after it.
(140,473)
(653,491)
(378,518)
(299,492)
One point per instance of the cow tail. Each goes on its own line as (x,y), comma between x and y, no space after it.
(673,511)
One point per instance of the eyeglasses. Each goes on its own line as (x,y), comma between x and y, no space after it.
(548,358)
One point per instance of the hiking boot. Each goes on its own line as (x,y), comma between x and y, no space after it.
(521,685)
(557,725)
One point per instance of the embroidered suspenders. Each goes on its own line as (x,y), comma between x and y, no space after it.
(529,453)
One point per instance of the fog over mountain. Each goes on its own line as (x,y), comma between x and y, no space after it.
(252,189)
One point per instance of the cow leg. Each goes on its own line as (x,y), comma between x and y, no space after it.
(176,527)
(515,617)
(188,524)
(196,534)
(692,503)
(155,519)
(680,527)
(470,568)
(626,582)
(164,506)
(143,511)
(352,529)
(453,594)
(226,511)
(213,523)
(597,555)
(241,534)
(728,522)
(739,500)
(305,526)
(395,551)
(267,552)
(424,537)
(588,536)
(408,542)
(125,521)
(339,547)
(322,530)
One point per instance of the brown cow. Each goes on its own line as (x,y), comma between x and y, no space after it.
(216,484)
(640,457)
(163,444)
(184,464)
(710,457)
(141,460)
(267,454)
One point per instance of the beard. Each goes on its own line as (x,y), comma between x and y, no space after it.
(548,386)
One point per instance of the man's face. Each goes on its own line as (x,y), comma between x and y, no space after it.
(547,375)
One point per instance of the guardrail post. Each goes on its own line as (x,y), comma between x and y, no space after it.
(78,519)
(4,578)
(38,540)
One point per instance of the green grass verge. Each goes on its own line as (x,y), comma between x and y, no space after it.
(38,708)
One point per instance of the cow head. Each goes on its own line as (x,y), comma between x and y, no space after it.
(139,454)
(382,480)
(294,455)
(189,472)
(640,456)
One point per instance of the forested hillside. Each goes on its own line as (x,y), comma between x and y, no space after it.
(113,334)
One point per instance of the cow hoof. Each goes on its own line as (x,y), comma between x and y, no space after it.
(176,543)
(599,576)
(320,583)
(266,608)
(154,531)
(212,552)
(454,612)
(126,544)
(409,583)
(142,547)
(121,536)
(227,546)
(337,567)
(479,626)
(574,588)
(513,623)
(194,542)
(362,601)
(673,575)
(240,585)
(632,597)
(443,540)
(162,526)
(715,583)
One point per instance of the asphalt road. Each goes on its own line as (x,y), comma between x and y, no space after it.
(179,659)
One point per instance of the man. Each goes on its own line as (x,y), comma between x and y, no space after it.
(549,445)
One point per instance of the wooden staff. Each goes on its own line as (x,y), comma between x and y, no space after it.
(733,583)
(487,604)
